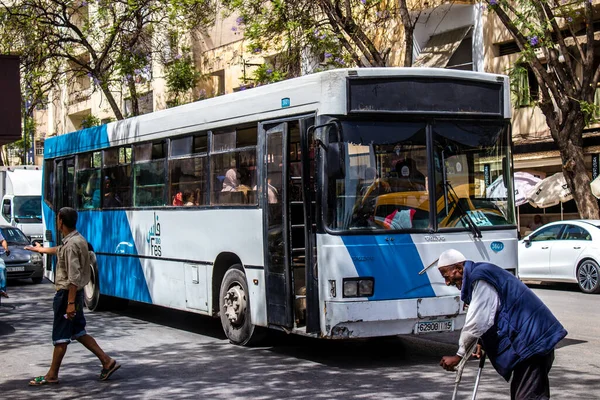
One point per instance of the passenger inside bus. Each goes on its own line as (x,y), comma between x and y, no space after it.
(111,199)
(188,198)
(91,193)
(178,199)
(231,181)
(198,197)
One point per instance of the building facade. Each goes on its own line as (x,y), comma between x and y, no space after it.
(448,34)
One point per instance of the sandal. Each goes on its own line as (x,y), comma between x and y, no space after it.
(41,380)
(107,372)
(3,294)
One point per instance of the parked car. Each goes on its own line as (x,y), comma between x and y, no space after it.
(20,263)
(563,251)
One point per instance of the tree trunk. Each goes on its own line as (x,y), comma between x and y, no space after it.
(408,46)
(409,33)
(135,105)
(111,100)
(577,176)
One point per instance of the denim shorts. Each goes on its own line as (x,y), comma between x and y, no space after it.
(64,330)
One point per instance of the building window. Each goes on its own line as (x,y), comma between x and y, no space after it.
(218,82)
(507,48)
(462,58)
(524,86)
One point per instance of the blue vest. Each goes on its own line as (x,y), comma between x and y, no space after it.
(523,326)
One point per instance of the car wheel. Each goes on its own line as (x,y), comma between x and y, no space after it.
(234,308)
(37,280)
(588,274)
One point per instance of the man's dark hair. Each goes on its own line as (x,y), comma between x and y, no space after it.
(68,216)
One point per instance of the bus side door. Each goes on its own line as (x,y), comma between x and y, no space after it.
(277,251)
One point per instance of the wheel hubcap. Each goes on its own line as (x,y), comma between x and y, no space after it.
(588,276)
(235,305)
(88,289)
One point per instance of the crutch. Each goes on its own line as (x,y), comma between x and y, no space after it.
(481,364)
(461,366)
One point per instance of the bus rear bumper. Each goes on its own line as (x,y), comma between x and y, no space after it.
(361,319)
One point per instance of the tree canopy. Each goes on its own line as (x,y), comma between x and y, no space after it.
(304,36)
(113,43)
(556,39)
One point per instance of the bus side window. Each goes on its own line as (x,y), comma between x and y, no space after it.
(149,172)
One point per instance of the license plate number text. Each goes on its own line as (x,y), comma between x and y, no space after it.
(434,326)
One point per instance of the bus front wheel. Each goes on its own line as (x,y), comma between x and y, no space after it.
(234,307)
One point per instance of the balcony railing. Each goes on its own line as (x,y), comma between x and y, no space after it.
(78,96)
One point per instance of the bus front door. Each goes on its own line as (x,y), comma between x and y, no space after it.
(277,250)
(64,181)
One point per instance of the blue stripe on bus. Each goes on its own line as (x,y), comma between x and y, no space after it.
(109,232)
(75,142)
(394,265)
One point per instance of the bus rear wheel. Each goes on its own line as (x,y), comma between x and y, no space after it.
(234,308)
(91,292)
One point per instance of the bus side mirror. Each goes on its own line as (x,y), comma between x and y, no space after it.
(335,160)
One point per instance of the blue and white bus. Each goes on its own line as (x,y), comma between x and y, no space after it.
(314,205)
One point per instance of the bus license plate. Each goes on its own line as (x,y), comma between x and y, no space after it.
(15,269)
(444,325)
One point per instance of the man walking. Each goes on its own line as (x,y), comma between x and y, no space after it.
(73,272)
(517,330)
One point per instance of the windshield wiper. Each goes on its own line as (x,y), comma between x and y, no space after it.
(471,224)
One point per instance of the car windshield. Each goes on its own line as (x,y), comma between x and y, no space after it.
(28,209)
(14,236)
(378,175)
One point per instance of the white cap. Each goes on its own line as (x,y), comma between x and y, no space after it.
(450,257)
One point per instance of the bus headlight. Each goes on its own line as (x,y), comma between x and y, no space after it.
(358,287)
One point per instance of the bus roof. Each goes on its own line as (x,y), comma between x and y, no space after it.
(323,92)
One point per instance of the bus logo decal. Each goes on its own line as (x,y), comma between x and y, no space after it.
(497,246)
(154,238)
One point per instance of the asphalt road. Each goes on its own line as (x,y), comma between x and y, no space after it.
(171,354)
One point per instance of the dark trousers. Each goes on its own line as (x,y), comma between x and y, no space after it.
(530,378)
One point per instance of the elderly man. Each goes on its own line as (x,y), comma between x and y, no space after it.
(517,330)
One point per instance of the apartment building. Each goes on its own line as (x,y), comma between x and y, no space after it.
(448,34)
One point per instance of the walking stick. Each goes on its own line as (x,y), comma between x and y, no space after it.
(460,367)
(481,364)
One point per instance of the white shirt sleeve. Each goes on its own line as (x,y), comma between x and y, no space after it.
(480,315)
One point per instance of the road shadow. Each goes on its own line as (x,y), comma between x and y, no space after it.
(189,358)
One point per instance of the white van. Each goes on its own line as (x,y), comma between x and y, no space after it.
(21,191)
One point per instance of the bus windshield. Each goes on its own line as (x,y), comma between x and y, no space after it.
(378,175)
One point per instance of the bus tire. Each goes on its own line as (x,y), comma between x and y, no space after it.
(234,308)
(94,301)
